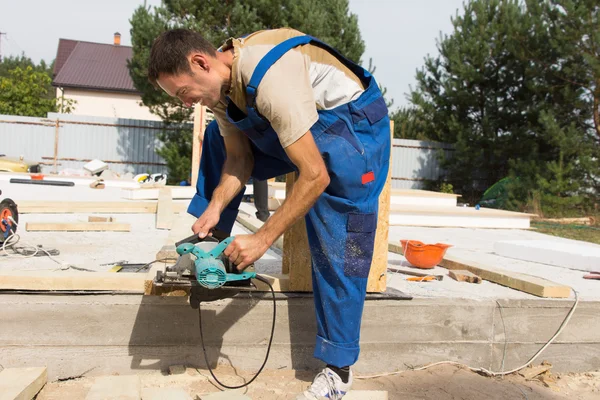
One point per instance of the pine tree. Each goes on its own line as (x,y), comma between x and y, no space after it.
(506,91)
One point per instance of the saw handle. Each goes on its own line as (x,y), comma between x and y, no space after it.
(186,248)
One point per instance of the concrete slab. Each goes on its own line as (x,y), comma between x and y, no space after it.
(115,388)
(165,394)
(579,256)
(22,383)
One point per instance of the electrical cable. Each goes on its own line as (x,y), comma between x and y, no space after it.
(260,278)
(486,371)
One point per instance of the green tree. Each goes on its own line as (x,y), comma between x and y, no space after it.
(25,92)
(505,92)
(218,20)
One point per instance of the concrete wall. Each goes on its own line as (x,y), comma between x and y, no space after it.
(106,334)
(106,104)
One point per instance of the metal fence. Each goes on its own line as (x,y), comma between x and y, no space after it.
(62,142)
(414,162)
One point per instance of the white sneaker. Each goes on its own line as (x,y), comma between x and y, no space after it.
(326,386)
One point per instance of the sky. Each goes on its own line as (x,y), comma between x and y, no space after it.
(398,34)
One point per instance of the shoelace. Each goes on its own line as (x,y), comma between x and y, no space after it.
(324,380)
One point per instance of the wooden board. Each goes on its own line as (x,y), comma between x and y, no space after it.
(378,274)
(22,383)
(522,282)
(461,275)
(78,226)
(198,138)
(164,212)
(296,254)
(66,207)
(72,280)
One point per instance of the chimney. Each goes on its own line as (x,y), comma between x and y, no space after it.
(117,41)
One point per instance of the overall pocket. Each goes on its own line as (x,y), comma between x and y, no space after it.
(361,228)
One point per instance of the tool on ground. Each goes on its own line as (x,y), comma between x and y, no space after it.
(211,276)
(407,271)
(422,279)
(9,218)
(593,275)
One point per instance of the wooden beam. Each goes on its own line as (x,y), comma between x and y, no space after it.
(464,276)
(72,280)
(378,274)
(22,383)
(95,207)
(164,212)
(522,282)
(78,226)
(296,254)
(198,138)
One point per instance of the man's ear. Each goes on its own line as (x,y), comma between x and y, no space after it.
(200,60)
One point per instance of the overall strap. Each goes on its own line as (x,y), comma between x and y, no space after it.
(274,55)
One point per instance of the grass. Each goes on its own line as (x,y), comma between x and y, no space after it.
(577,232)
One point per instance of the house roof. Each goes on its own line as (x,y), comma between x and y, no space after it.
(97,66)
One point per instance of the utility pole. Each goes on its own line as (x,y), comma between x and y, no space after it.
(1,33)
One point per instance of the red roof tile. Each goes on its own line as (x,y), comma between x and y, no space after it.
(93,66)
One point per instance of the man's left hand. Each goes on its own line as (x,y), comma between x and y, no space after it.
(245,249)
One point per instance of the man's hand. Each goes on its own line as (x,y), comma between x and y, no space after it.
(245,249)
(208,220)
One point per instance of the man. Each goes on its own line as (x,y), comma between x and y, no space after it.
(287,102)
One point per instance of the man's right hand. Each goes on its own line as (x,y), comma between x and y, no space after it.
(208,220)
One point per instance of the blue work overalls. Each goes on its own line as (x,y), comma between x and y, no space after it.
(354,140)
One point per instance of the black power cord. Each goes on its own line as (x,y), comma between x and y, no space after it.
(260,278)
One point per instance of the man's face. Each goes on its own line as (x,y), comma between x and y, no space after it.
(203,85)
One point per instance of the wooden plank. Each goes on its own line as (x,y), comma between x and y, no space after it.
(296,254)
(66,207)
(78,226)
(464,276)
(378,274)
(177,192)
(522,282)
(198,138)
(22,383)
(72,280)
(92,218)
(164,212)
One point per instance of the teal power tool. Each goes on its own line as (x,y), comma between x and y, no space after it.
(210,265)
(211,277)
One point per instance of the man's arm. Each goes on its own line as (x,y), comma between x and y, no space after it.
(236,172)
(312,181)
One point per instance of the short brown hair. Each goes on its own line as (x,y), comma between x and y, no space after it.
(170,51)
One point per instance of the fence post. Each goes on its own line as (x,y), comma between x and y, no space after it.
(198,137)
(56,127)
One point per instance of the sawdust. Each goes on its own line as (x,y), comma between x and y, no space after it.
(439,383)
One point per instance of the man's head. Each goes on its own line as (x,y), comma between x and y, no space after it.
(187,66)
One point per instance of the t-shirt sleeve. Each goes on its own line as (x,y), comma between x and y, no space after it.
(285,97)
(225,127)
